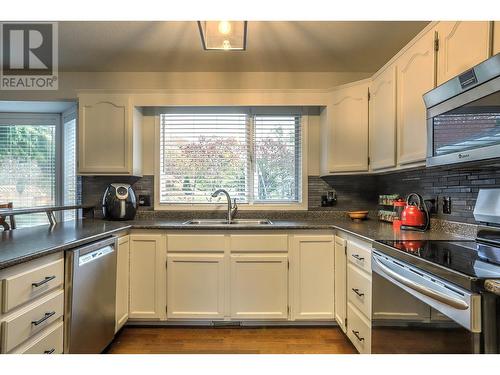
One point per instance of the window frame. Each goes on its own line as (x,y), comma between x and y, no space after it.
(48,119)
(302,205)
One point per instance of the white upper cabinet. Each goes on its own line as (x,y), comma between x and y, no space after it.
(496,37)
(348,136)
(415,77)
(462,44)
(383,120)
(109,135)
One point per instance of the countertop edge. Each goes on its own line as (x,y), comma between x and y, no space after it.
(177,225)
(59,248)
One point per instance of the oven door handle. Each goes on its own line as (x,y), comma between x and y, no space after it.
(450,301)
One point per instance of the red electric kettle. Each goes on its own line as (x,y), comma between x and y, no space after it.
(415,215)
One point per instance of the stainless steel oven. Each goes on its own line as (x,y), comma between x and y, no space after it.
(463,116)
(415,312)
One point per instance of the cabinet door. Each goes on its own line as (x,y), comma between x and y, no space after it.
(259,286)
(383,120)
(104,134)
(122,277)
(462,44)
(496,37)
(195,286)
(147,276)
(341,282)
(415,78)
(349,144)
(313,277)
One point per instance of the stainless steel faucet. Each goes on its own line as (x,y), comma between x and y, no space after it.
(231,208)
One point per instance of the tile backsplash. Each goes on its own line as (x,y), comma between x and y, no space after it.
(93,188)
(461,184)
(358,192)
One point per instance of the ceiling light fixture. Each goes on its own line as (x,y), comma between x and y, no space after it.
(223,35)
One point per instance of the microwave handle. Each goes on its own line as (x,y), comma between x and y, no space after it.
(450,301)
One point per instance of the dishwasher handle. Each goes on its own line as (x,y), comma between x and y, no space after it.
(450,301)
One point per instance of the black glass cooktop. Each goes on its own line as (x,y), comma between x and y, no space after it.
(473,260)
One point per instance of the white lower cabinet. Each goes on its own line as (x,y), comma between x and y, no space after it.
(259,286)
(49,341)
(196,286)
(359,292)
(341,282)
(359,289)
(358,329)
(313,258)
(147,276)
(32,306)
(122,278)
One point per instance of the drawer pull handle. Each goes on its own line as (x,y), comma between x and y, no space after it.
(356,333)
(44,318)
(49,351)
(356,256)
(44,281)
(356,290)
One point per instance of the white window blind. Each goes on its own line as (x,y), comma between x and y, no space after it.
(70,193)
(256,158)
(38,163)
(277,142)
(203,152)
(28,164)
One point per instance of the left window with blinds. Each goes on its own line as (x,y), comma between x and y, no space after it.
(34,167)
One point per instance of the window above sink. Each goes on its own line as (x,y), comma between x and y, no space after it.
(256,154)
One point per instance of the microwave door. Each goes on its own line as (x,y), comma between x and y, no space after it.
(465,127)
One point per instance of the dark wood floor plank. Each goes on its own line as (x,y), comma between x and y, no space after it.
(254,340)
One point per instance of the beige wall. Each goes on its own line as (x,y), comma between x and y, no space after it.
(72,82)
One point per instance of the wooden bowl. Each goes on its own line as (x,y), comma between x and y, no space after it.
(358,215)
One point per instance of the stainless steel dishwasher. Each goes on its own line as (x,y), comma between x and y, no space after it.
(90,293)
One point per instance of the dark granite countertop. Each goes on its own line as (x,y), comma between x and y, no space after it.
(22,245)
(369,230)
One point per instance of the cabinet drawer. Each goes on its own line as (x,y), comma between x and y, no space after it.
(358,330)
(360,255)
(359,290)
(49,341)
(22,325)
(259,242)
(194,242)
(26,286)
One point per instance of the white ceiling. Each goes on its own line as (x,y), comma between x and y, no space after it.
(341,46)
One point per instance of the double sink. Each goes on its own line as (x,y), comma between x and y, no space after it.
(232,208)
(226,222)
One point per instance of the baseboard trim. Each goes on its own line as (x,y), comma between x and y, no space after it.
(232,324)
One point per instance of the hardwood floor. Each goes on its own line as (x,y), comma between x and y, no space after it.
(207,340)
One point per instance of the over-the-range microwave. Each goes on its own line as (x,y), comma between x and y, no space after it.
(463,116)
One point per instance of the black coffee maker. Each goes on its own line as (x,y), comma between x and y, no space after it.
(119,203)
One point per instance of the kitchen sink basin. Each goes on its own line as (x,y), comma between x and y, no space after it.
(233,222)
